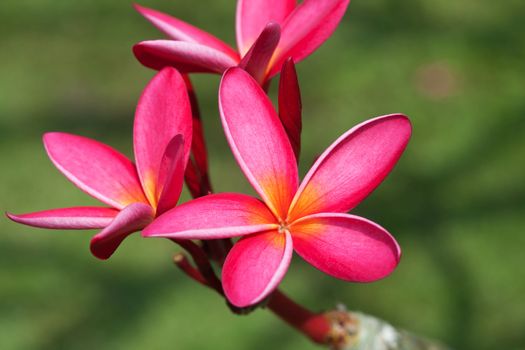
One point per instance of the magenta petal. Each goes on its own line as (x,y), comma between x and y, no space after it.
(255,266)
(256,59)
(306,28)
(258,139)
(290,105)
(353,166)
(163,112)
(172,168)
(132,218)
(253,15)
(219,215)
(180,30)
(186,57)
(95,168)
(75,218)
(346,246)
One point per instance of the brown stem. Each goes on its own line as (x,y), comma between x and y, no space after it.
(203,263)
(314,326)
(182,263)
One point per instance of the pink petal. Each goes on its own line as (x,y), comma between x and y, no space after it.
(75,218)
(346,246)
(196,175)
(353,166)
(180,30)
(256,60)
(255,266)
(163,112)
(253,15)
(186,57)
(95,168)
(258,139)
(172,178)
(215,216)
(306,28)
(130,219)
(290,105)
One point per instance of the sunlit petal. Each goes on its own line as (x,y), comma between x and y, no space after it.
(346,246)
(258,139)
(353,166)
(95,168)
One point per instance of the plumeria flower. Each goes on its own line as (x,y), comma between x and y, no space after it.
(135,194)
(268,32)
(309,217)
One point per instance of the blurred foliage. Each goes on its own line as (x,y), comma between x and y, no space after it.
(455,201)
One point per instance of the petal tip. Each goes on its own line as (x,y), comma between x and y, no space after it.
(139,8)
(19,219)
(273,27)
(12,217)
(404,119)
(147,232)
(98,250)
(169,72)
(50,136)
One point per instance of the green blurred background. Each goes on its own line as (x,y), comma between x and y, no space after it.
(455,202)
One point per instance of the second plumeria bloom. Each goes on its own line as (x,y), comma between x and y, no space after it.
(309,217)
(268,32)
(137,193)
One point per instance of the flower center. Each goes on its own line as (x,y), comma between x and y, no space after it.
(283,226)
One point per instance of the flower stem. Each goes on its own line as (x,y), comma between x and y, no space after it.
(181,261)
(203,263)
(314,326)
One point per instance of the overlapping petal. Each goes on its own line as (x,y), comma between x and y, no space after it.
(130,219)
(255,266)
(163,112)
(74,218)
(306,28)
(95,168)
(253,15)
(171,175)
(290,105)
(180,30)
(214,216)
(257,58)
(346,246)
(352,167)
(185,56)
(258,139)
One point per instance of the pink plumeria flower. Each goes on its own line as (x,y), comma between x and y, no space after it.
(137,193)
(268,32)
(309,217)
